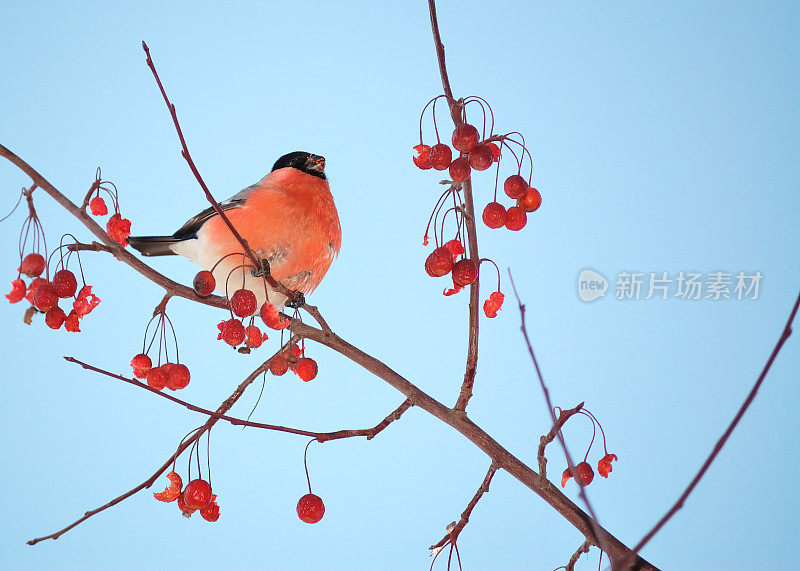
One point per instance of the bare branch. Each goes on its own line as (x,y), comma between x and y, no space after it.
(787,331)
(452,534)
(550,436)
(370,433)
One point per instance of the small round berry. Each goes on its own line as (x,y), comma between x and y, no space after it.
(204,283)
(55,317)
(531,201)
(157,378)
(494,215)
(254,337)
(197,494)
(98,206)
(232,332)
(186,511)
(515,186)
(439,262)
(141,364)
(423,157)
(177,376)
(33,265)
(243,302)
(456,248)
(441,156)
(481,157)
(278,365)
(306,368)
(310,508)
(516,218)
(465,272)
(271,317)
(584,473)
(459,169)
(211,511)
(65,283)
(45,297)
(465,137)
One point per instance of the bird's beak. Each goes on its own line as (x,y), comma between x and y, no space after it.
(316,163)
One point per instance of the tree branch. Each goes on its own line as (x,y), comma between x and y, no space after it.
(787,331)
(550,436)
(452,534)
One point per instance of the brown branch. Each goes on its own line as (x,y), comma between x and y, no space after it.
(452,534)
(584,548)
(221,410)
(787,331)
(550,436)
(474,292)
(111,246)
(591,517)
(496,452)
(274,284)
(370,433)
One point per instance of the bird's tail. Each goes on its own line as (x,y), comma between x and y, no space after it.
(154,245)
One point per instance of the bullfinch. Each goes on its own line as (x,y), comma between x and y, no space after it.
(288,218)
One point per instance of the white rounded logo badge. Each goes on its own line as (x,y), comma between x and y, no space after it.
(591,285)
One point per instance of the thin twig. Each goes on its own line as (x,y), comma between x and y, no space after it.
(787,331)
(469,217)
(550,436)
(584,548)
(452,534)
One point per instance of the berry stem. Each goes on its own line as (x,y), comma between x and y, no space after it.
(305,463)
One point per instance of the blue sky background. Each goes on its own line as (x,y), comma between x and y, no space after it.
(665,140)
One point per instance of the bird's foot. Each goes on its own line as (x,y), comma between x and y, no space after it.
(262,271)
(296,301)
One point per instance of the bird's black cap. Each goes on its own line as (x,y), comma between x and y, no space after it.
(303,161)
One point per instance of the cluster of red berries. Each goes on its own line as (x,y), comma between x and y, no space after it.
(294,360)
(173,376)
(44,295)
(117,227)
(583,472)
(450,259)
(195,496)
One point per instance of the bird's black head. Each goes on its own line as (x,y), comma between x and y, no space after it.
(301,160)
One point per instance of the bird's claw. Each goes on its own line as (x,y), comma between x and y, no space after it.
(262,271)
(296,301)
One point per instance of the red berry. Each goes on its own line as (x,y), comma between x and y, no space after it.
(157,378)
(17,293)
(441,156)
(495,151)
(278,365)
(465,137)
(604,465)
(459,169)
(515,186)
(423,157)
(465,272)
(140,364)
(65,283)
(584,473)
(55,317)
(185,510)
(439,262)
(481,157)
(119,229)
(32,288)
(71,323)
(211,511)
(310,508)
(456,248)
(177,376)
(516,218)
(243,302)
(171,492)
(45,297)
(33,265)
(531,201)
(231,331)
(273,319)
(98,206)
(306,368)
(254,337)
(204,283)
(565,476)
(494,215)
(197,494)
(492,305)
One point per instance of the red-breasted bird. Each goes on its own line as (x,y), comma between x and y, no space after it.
(288,218)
